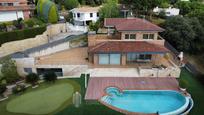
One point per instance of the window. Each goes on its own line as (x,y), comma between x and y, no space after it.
(145,57)
(74,15)
(135,57)
(151,36)
(130,36)
(113,59)
(148,36)
(28,70)
(126,36)
(78,15)
(97,14)
(10,4)
(91,14)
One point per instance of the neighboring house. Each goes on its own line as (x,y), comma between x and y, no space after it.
(84,15)
(168,11)
(13,9)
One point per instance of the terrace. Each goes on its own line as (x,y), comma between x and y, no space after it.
(76,58)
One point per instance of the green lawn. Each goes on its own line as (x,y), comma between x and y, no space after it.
(196,89)
(48,98)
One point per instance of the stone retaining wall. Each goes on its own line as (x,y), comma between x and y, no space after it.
(21,45)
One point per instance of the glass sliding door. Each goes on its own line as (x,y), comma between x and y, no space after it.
(115,59)
(103,59)
(135,57)
(112,59)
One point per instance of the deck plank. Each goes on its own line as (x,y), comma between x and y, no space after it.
(97,85)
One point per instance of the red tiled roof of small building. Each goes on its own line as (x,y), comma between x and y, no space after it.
(16,8)
(131,24)
(127,46)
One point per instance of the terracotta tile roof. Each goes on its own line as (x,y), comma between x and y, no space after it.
(127,46)
(13,1)
(131,24)
(16,8)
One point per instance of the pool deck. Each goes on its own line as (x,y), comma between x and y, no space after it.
(97,85)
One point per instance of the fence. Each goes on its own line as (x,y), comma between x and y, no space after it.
(188,65)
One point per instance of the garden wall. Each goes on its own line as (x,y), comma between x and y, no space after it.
(21,45)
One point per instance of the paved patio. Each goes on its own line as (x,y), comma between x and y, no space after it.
(96,85)
(75,56)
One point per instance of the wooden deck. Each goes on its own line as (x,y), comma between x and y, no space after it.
(96,85)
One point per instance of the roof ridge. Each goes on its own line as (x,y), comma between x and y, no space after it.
(99,45)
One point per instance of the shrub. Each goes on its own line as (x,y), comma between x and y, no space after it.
(70,4)
(94,26)
(18,23)
(50,77)
(3,27)
(32,78)
(30,23)
(162,14)
(2,88)
(21,34)
(18,89)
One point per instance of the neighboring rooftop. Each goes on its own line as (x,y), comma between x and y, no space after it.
(127,46)
(16,8)
(131,24)
(86,9)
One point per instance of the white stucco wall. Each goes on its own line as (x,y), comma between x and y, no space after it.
(85,16)
(22,63)
(10,15)
(169,11)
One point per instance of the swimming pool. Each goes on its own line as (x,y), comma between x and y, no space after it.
(164,102)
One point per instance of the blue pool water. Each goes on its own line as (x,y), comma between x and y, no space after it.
(151,101)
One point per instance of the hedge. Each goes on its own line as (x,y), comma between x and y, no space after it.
(21,34)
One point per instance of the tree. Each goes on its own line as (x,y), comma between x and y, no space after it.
(198,14)
(179,33)
(32,78)
(9,70)
(197,43)
(47,11)
(109,10)
(50,77)
(70,4)
(142,6)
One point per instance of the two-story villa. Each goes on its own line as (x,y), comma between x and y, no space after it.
(14,9)
(134,41)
